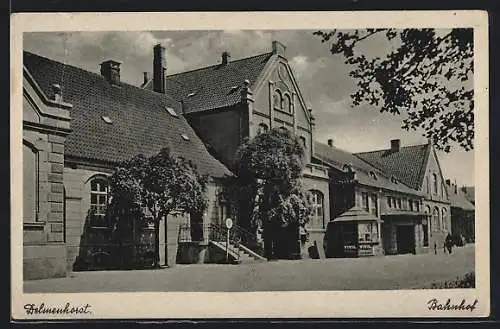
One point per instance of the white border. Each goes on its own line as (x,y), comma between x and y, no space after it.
(360,304)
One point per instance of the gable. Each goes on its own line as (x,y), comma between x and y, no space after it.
(280,74)
(433,167)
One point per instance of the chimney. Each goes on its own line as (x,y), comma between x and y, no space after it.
(146,78)
(448,182)
(279,48)
(159,68)
(57,93)
(225,57)
(110,70)
(395,144)
(330,142)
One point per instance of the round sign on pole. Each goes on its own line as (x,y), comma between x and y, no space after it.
(229,223)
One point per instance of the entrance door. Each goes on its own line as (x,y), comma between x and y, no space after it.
(405,236)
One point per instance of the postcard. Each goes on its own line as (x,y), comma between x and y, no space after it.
(249,165)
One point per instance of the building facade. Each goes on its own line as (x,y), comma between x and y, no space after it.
(233,101)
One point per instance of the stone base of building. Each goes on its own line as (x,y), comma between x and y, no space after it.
(193,253)
(44,261)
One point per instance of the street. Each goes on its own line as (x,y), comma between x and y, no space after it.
(373,273)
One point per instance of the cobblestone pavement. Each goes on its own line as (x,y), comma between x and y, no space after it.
(386,272)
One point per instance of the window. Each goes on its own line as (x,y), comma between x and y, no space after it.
(277,99)
(374,205)
(287,103)
(417,206)
(435,183)
(398,205)
(435,220)
(372,175)
(405,203)
(425,229)
(30,183)
(262,128)
(98,200)
(364,201)
(303,142)
(318,209)
(427,189)
(444,219)
(411,205)
(389,202)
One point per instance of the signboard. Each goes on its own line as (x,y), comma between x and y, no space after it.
(229,223)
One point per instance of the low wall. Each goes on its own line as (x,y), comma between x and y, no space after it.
(44,261)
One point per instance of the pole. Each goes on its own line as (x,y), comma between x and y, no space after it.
(227,247)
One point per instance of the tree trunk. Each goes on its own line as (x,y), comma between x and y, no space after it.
(156,263)
(268,241)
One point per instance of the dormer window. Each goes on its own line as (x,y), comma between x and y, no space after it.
(185,137)
(191,94)
(372,175)
(171,111)
(107,119)
(394,180)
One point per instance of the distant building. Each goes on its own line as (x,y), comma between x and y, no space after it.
(385,202)
(462,212)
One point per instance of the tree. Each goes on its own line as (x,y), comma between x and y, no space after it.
(269,168)
(162,184)
(428,74)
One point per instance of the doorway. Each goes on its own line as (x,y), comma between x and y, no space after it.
(405,237)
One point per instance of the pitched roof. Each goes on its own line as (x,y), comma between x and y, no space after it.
(338,158)
(141,122)
(458,199)
(215,86)
(408,164)
(469,193)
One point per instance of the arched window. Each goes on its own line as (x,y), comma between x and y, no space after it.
(262,128)
(287,103)
(444,219)
(303,142)
(277,99)
(318,209)
(30,182)
(98,200)
(435,183)
(435,220)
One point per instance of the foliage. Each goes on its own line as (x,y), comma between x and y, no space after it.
(467,281)
(269,167)
(428,75)
(159,185)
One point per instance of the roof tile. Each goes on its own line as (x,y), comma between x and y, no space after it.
(215,86)
(140,121)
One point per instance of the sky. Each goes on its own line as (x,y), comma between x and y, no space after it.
(322,77)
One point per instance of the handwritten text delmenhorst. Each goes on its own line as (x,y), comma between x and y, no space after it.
(32,309)
(435,305)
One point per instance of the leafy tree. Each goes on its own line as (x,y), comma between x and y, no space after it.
(160,185)
(269,168)
(428,74)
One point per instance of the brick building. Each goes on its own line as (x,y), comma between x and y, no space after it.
(385,202)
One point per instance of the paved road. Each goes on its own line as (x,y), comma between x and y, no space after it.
(373,273)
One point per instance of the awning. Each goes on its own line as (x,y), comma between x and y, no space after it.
(356,214)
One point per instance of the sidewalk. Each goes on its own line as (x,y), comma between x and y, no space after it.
(371,273)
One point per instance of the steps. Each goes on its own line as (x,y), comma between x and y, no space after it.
(239,254)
